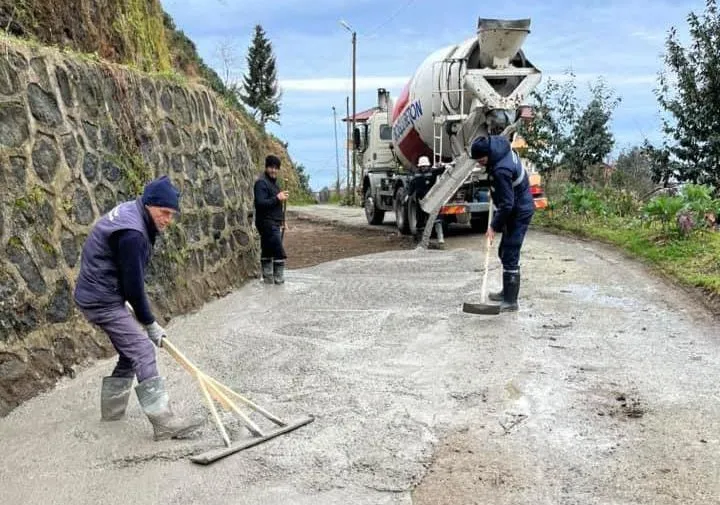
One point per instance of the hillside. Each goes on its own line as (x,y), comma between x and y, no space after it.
(137,33)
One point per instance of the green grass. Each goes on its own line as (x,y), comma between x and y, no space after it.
(692,261)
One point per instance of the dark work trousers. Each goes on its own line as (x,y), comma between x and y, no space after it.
(511,242)
(135,349)
(271,246)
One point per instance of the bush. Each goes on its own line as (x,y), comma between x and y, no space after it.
(621,203)
(694,207)
(582,201)
(699,202)
(663,209)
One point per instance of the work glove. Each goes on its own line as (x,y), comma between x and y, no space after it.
(156,333)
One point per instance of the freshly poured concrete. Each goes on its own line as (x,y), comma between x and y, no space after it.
(602,389)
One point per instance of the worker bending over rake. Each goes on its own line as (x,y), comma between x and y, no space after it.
(112,267)
(510,189)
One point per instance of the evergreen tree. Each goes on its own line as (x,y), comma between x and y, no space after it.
(261,90)
(692,98)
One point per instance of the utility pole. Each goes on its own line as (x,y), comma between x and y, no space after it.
(348,146)
(354,161)
(337,155)
(354,45)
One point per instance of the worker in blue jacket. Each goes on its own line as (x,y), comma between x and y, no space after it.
(510,189)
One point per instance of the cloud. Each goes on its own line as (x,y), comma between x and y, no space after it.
(649,36)
(366,83)
(620,40)
(618,80)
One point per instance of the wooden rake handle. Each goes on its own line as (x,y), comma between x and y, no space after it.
(483,289)
(214,389)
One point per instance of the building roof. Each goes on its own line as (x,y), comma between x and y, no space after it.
(363,116)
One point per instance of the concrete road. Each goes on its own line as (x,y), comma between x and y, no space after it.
(354,216)
(601,390)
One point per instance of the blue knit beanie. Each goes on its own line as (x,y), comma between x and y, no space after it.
(480,147)
(161,193)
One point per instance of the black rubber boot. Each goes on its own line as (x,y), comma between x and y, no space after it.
(279,266)
(511,288)
(114,397)
(267,270)
(155,402)
(496,297)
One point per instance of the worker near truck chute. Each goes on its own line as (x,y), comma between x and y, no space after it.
(421,184)
(510,189)
(112,270)
(269,219)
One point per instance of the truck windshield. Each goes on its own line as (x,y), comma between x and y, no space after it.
(385,132)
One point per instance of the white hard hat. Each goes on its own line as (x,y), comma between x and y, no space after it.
(423,161)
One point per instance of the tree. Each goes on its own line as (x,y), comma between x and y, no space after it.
(562,135)
(227,55)
(633,171)
(261,90)
(591,139)
(548,134)
(690,96)
(663,166)
(303,179)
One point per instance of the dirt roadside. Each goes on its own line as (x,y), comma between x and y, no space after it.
(310,241)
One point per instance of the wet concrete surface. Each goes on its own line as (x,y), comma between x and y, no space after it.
(602,389)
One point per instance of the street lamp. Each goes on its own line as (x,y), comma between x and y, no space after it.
(354,44)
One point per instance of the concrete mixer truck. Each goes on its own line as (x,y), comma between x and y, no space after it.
(458,93)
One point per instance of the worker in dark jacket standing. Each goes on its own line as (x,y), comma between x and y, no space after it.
(510,188)
(268,220)
(112,272)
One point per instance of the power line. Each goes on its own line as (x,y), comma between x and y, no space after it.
(392,16)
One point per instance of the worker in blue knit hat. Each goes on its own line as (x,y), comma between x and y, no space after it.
(510,189)
(112,270)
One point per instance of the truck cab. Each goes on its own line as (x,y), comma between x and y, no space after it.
(372,140)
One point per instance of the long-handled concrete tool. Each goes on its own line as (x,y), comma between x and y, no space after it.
(284,217)
(212,389)
(484,308)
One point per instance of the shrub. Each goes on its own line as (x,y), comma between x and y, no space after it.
(582,201)
(663,209)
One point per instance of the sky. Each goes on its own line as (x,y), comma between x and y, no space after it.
(621,40)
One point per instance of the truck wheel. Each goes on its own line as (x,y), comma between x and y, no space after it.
(372,213)
(401,212)
(480,223)
(415,217)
